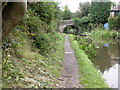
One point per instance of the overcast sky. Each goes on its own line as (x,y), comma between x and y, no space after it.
(74,4)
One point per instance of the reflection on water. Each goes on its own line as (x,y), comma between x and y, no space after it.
(108,60)
(111,76)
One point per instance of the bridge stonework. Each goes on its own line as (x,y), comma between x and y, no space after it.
(64,23)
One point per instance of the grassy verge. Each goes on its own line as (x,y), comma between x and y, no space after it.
(89,75)
(55,58)
(32,54)
(23,66)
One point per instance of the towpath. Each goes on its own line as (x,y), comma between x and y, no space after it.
(69,73)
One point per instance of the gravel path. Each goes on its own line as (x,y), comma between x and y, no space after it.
(69,77)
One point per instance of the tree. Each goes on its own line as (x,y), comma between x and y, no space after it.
(46,11)
(83,9)
(66,14)
(82,23)
(100,11)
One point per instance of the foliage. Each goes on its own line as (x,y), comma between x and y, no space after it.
(83,10)
(24,67)
(101,33)
(42,34)
(30,23)
(25,63)
(83,22)
(114,23)
(66,14)
(99,12)
(69,30)
(88,46)
(91,15)
(44,41)
(55,57)
(90,77)
(46,11)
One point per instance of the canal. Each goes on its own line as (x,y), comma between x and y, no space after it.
(108,60)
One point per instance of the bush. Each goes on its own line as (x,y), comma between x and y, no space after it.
(83,22)
(45,11)
(114,23)
(42,34)
(103,34)
(87,45)
(26,55)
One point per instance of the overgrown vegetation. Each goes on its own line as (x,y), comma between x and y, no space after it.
(66,14)
(90,16)
(99,11)
(101,33)
(89,75)
(69,30)
(45,11)
(32,53)
(72,30)
(87,45)
(83,23)
(114,23)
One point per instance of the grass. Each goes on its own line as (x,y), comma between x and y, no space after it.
(55,58)
(25,67)
(32,54)
(89,75)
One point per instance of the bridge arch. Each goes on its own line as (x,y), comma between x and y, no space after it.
(72,29)
(64,23)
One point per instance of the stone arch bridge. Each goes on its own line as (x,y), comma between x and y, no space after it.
(65,23)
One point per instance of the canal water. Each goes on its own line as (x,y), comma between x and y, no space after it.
(108,60)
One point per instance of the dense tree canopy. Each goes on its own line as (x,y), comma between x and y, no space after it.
(99,11)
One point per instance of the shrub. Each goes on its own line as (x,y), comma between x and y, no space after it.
(114,23)
(83,22)
(87,45)
(21,60)
(42,34)
(103,34)
(45,11)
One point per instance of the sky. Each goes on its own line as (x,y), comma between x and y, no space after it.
(74,4)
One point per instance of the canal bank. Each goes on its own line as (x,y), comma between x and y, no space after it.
(104,54)
(89,75)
